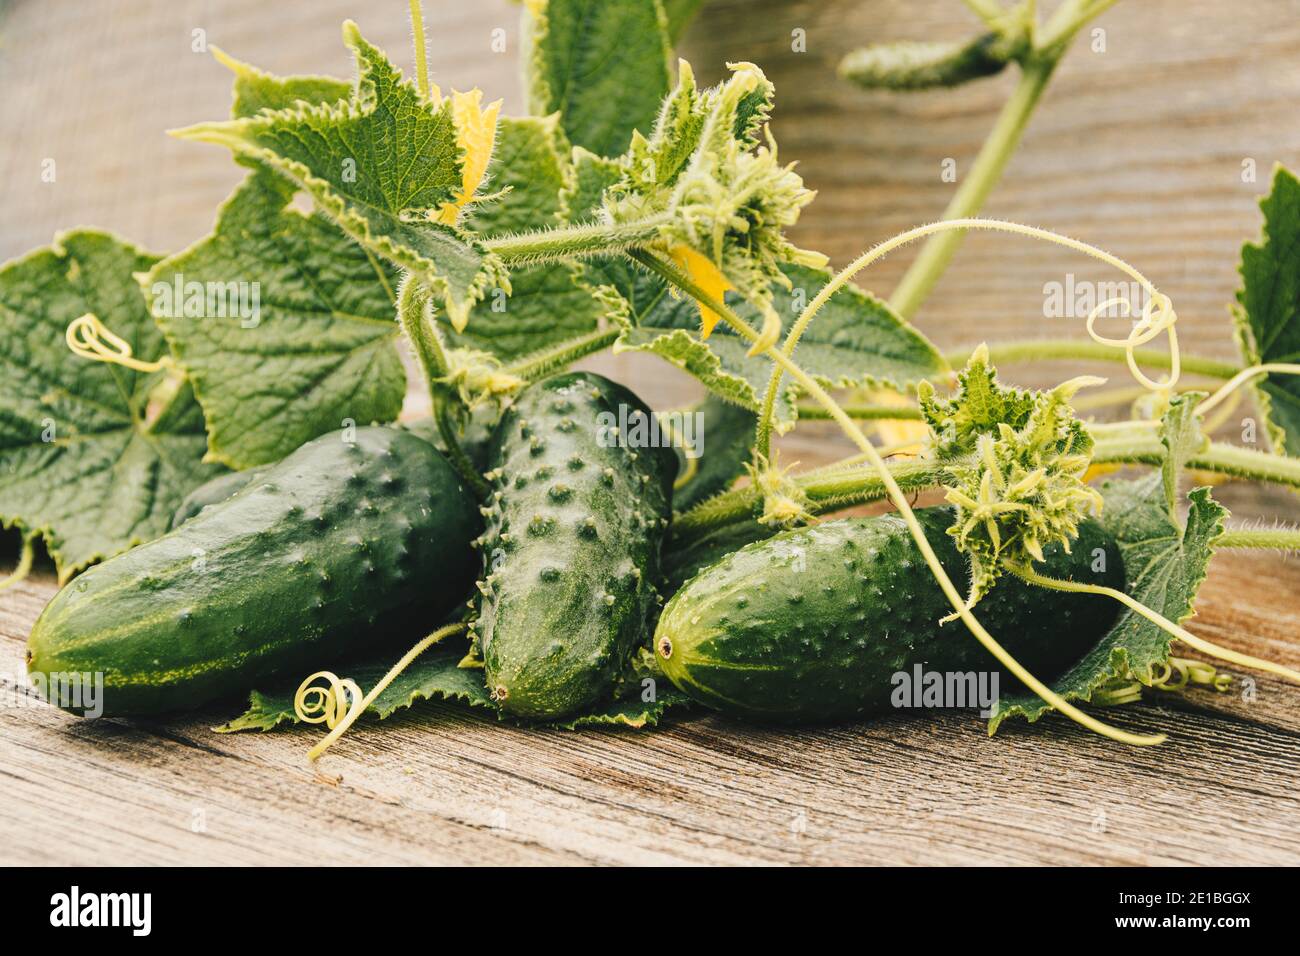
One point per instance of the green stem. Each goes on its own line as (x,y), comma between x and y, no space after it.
(828,489)
(1280,539)
(567,242)
(1048,350)
(421,51)
(898,413)
(1219,457)
(969,199)
(427,345)
(539,364)
(1009,128)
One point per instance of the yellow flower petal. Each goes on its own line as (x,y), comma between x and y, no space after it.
(476,133)
(707,276)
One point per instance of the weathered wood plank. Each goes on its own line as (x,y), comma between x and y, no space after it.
(440,785)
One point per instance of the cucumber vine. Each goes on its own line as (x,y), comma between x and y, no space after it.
(695,211)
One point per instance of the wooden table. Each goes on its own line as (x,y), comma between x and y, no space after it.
(1139,149)
(442,785)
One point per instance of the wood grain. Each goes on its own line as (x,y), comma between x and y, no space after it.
(439,785)
(1138,149)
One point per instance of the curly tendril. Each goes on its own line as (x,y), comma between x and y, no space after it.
(339,703)
(91,339)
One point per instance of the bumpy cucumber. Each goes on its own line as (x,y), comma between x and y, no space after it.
(318,555)
(572,544)
(813,624)
(210,493)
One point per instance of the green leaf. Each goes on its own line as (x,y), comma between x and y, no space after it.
(603,65)
(84,461)
(1182,438)
(856,339)
(1268,317)
(434,675)
(316,345)
(547,304)
(530,168)
(631,710)
(1164,565)
(255,91)
(725,433)
(382,164)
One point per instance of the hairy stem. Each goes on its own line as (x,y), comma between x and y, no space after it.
(539,364)
(1280,539)
(568,242)
(1144,447)
(413,313)
(970,197)
(1035,350)
(899,413)
(421,50)
(828,489)
(24,566)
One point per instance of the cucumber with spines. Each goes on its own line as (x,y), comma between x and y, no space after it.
(812,624)
(327,552)
(474,439)
(571,550)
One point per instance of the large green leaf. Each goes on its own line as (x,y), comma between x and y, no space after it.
(1268,319)
(601,64)
(84,461)
(382,164)
(1164,565)
(855,340)
(318,349)
(547,305)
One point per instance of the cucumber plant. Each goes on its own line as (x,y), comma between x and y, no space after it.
(510,248)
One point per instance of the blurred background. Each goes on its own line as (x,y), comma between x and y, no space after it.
(1140,145)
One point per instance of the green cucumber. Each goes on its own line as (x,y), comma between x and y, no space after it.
(473,441)
(814,624)
(212,492)
(574,529)
(321,554)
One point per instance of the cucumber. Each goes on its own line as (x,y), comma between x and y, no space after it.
(473,441)
(319,555)
(212,492)
(574,530)
(813,624)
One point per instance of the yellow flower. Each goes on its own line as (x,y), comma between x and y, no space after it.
(707,276)
(476,133)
